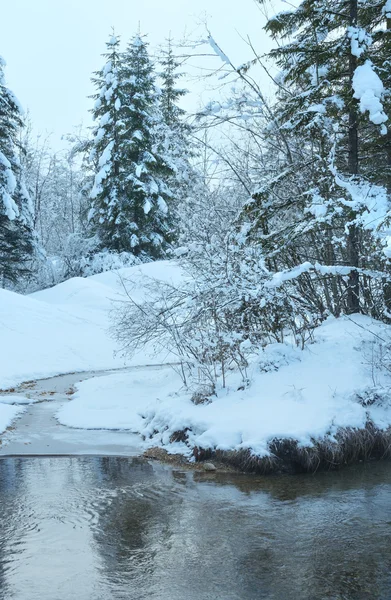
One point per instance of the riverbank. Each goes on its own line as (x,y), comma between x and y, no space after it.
(286,456)
(304,410)
(183,462)
(36,431)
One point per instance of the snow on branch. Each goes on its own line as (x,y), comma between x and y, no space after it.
(369,89)
(360,40)
(278,279)
(7,188)
(216,48)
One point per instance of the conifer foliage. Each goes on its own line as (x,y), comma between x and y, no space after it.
(131,196)
(325,208)
(175,132)
(105,153)
(16,237)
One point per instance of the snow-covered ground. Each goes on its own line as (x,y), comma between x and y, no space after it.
(118,401)
(65,328)
(8,414)
(294,394)
(339,381)
(12,407)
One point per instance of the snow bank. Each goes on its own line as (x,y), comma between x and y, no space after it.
(40,340)
(136,277)
(8,414)
(117,401)
(65,328)
(299,395)
(18,400)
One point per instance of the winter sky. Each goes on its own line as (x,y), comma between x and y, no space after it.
(52,46)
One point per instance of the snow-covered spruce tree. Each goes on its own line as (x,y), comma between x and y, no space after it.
(170,94)
(375,149)
(16,211)
(317,217)
(106,154)
(130,198)
(175,132)
(146,218)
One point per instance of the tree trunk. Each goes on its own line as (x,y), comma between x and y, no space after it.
(353,296)
(387,280)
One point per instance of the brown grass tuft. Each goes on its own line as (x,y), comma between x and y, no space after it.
(287,456)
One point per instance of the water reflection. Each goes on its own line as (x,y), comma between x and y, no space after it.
(114,528)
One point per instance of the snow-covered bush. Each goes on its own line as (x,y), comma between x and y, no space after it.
(107,261)
(226,308)
(78,258)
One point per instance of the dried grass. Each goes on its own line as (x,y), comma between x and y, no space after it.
(287,456)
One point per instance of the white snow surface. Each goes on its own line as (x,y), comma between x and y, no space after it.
(369,89)
(17,399)
(11,408)
(117,401)
(65,328)
(387,9)
(8,414)
(294,394)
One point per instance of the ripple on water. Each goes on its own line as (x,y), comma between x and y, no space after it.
(107,528)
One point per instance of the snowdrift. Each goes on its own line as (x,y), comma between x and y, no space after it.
(65,328)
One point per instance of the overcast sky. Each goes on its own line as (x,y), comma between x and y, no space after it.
(52,46)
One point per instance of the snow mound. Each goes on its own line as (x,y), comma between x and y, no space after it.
(83,298)
(135,278)
(65,328)
(41,340)
(116,401)
(99,291)
(77,291)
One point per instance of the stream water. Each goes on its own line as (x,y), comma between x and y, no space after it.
(93,528)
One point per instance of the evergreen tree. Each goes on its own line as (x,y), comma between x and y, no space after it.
(146,216)
(322,209)
(130,198)
(170,94)
(16,236)
(106,148)
(175,132)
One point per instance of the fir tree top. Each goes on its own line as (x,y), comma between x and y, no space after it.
(170,94)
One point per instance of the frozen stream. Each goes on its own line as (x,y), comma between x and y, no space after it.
(38,432)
